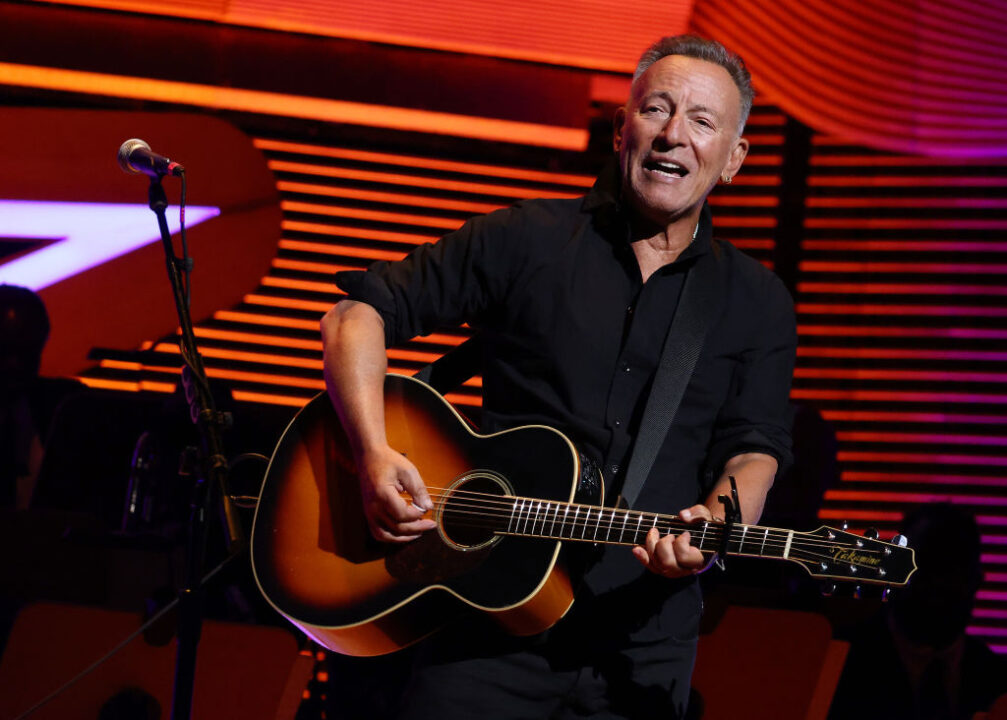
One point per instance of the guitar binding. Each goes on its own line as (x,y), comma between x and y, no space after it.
(468,531)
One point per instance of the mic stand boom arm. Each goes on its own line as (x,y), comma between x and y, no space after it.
(210,477)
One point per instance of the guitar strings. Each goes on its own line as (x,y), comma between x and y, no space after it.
(797,550)
(503,508)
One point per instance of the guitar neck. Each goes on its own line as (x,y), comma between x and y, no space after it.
(530,517)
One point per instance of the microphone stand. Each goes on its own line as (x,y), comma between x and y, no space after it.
(210,473)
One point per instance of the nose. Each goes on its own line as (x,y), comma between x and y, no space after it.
(672,134)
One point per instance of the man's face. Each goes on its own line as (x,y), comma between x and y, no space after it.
(677,135)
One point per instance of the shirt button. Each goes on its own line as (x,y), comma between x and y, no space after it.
(614,469)
(625,367)
(618,423)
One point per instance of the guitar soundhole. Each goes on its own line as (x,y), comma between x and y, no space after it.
(473,507)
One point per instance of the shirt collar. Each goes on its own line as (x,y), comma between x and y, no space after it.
(603,201)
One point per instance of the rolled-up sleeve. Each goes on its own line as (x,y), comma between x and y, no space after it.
(756,416)
(444,283)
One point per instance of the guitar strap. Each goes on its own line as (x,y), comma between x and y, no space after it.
(697,308)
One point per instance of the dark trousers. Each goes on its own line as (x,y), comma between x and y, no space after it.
(559,679)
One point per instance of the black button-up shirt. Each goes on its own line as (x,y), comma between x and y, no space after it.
(573,336)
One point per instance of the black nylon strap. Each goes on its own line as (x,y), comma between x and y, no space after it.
(697,308)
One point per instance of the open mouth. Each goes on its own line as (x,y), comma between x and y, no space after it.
(667,168)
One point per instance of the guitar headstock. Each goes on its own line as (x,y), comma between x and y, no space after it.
(832,554)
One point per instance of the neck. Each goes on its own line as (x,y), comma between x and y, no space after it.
(656,250)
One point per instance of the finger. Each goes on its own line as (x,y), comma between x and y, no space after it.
(393,509)
(663,559)
(640,554)
(413,484)
(382,535)
(696,513)
(686,556)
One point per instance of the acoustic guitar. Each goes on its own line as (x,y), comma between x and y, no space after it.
(504,504)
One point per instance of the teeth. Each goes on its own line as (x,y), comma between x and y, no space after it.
(670,168)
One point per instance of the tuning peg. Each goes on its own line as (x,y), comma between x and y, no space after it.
(900,540)
(828,589)
(871,533)
(886,594)
(845,525)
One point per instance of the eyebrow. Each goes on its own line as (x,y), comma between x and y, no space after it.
(665,95)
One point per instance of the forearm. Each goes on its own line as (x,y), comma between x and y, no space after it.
(754,474)
(355,365)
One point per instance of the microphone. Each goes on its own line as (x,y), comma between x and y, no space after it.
(135,156)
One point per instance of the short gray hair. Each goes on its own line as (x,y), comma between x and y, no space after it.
(703,49)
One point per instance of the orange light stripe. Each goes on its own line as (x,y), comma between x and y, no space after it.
(256,339)
(849,514)
(240,375)
(728,201)
(306,266)
(271,320)
(269,399)
(920,458)
(857,331)
(899,375)
(138,367)
(288,303)
(293,284)
(903,223)
(583,181)
(745,222)
(890,396)
(333,249)
(251,357)
(901,416)
(355,232)
(753,244)
(874,309)
(412,355)
(463,186)
(297,106)
(851,476)
(908,181)
(912,203)
(757,159)
(894,353)
(377,215)
(106,384)
(386,197)
(898,288)
(459,399)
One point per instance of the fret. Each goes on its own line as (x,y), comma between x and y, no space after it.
(566,514)
(786,548)
(597,524)
(636,533)
(587,519)
(520,512)
(510,522)
(545,519)
(538,510)
(555,517)
(702,538)
(625,519)
(608,533)
(741,543)
(765,535)
(576,515)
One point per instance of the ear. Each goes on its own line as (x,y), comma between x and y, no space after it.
(738,154)
(618,120)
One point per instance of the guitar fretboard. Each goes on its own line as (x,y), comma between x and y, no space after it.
(531,517)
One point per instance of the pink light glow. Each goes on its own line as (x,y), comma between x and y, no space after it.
(89,234)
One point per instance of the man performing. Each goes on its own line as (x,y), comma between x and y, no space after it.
(573,300)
